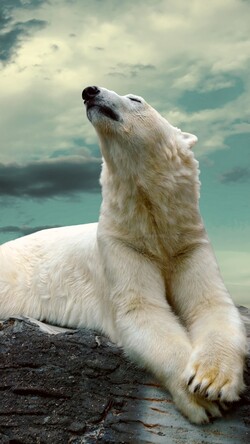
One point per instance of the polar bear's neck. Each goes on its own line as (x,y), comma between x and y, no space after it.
(157,210)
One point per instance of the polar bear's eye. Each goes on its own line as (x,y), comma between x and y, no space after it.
(134,100)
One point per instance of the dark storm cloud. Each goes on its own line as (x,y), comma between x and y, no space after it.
(237,174)
(24,230)
(4,19)
(12,33)
(54,177)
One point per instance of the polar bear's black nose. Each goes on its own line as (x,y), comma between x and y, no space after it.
(90,92)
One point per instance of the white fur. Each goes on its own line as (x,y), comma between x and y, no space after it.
(145,275)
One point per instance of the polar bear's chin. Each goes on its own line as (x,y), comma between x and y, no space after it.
(102,110)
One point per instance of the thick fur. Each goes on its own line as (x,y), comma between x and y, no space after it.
(146,274)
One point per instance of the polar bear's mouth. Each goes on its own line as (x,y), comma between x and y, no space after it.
(103,109)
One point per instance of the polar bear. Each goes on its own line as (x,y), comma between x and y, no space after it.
(145,275)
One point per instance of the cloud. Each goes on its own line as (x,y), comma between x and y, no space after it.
(77,149)
(11,40)
(26,4)
(220,90)
(25,230)
(50,178)
(130,69)
(237,174)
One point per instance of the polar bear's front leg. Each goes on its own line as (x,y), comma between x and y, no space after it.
(215,368)
(147,328)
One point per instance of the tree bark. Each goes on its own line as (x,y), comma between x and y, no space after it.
(78,387)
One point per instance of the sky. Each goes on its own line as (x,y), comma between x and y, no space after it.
(190,60)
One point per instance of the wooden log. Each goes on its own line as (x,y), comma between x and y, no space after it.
(78,387)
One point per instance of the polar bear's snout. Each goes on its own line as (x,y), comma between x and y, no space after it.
(100,102)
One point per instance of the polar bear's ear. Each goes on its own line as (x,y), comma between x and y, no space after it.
(188,139)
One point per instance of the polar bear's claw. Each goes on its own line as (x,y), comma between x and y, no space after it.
(191,379)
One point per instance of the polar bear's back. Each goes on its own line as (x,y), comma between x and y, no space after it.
(53,275)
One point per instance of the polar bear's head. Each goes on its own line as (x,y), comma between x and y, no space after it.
(128,127)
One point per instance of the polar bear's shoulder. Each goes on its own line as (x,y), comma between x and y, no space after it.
(49,243)
(53,235)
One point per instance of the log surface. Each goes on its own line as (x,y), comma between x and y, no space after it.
(77,387)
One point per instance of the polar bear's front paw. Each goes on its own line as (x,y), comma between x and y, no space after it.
(215,376)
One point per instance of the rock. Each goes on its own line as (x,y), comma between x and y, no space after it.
(77,387)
